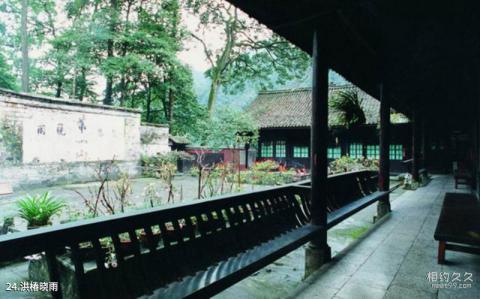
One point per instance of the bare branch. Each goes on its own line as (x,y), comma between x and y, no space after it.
(205,49)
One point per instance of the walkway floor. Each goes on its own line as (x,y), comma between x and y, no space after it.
(397,258)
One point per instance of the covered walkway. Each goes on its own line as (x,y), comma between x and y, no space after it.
(398,258)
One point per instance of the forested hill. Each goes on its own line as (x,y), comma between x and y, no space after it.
(243,98)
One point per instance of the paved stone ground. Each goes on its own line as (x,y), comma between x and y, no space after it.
(284,275)
(393,259)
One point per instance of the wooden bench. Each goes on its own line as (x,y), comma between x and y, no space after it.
(199,249)
(458,227)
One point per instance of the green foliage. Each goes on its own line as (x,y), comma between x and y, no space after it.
(267,172)
(267,165)
(7,80)
(347,164)
(132,44)
(10,142)
(267,177)
(398,118)
(221,130)
(151,195)
(158,165)
(107,196)
(349,108)
(163,167)
(38,209)
(250,53)
(352,233)
(216,179)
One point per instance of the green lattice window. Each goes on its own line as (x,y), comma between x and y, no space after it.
(356,150)
(266,150)
(373,152)
(334,152)
(300,151)
(280,149)
(396,152)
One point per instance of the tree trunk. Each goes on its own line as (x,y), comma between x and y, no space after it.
(24,38)
(149,104)
(171,101)
(108,100)
(74,83)
(59,89)
(212,96)
(123,85)
(83,87)
(222,64)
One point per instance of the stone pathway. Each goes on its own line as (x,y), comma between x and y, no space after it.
(394,258)
(284,275)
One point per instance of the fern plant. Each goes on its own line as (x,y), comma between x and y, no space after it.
(38,209)
(349,108)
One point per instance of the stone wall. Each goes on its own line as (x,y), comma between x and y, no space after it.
(154,139)
(62,141)
(58,173)
(55,130)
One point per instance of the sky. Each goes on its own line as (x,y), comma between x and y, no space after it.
(193,54)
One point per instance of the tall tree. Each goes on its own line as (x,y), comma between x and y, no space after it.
(248,53)
(7,80)
(24,38)
(112,26)
(27,29)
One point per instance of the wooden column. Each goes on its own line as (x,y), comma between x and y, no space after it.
(415,145)
(318,251)
(247,148)
(383,206)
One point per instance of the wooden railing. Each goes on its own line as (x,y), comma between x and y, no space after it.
(158,241)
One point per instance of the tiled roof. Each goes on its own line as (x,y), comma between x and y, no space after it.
(292,108)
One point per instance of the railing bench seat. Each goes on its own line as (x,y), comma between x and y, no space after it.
(216,278)
(189,250)
(348,210)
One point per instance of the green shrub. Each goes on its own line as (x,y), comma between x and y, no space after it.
(347,164)
(38,209)
(10,143)
(267,165)
(154,166)
(266,172)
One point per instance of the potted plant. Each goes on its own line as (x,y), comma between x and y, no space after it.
(37,210)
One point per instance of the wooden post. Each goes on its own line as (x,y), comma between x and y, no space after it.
(318,252)
(247,148)
(415,146)
(383,206)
